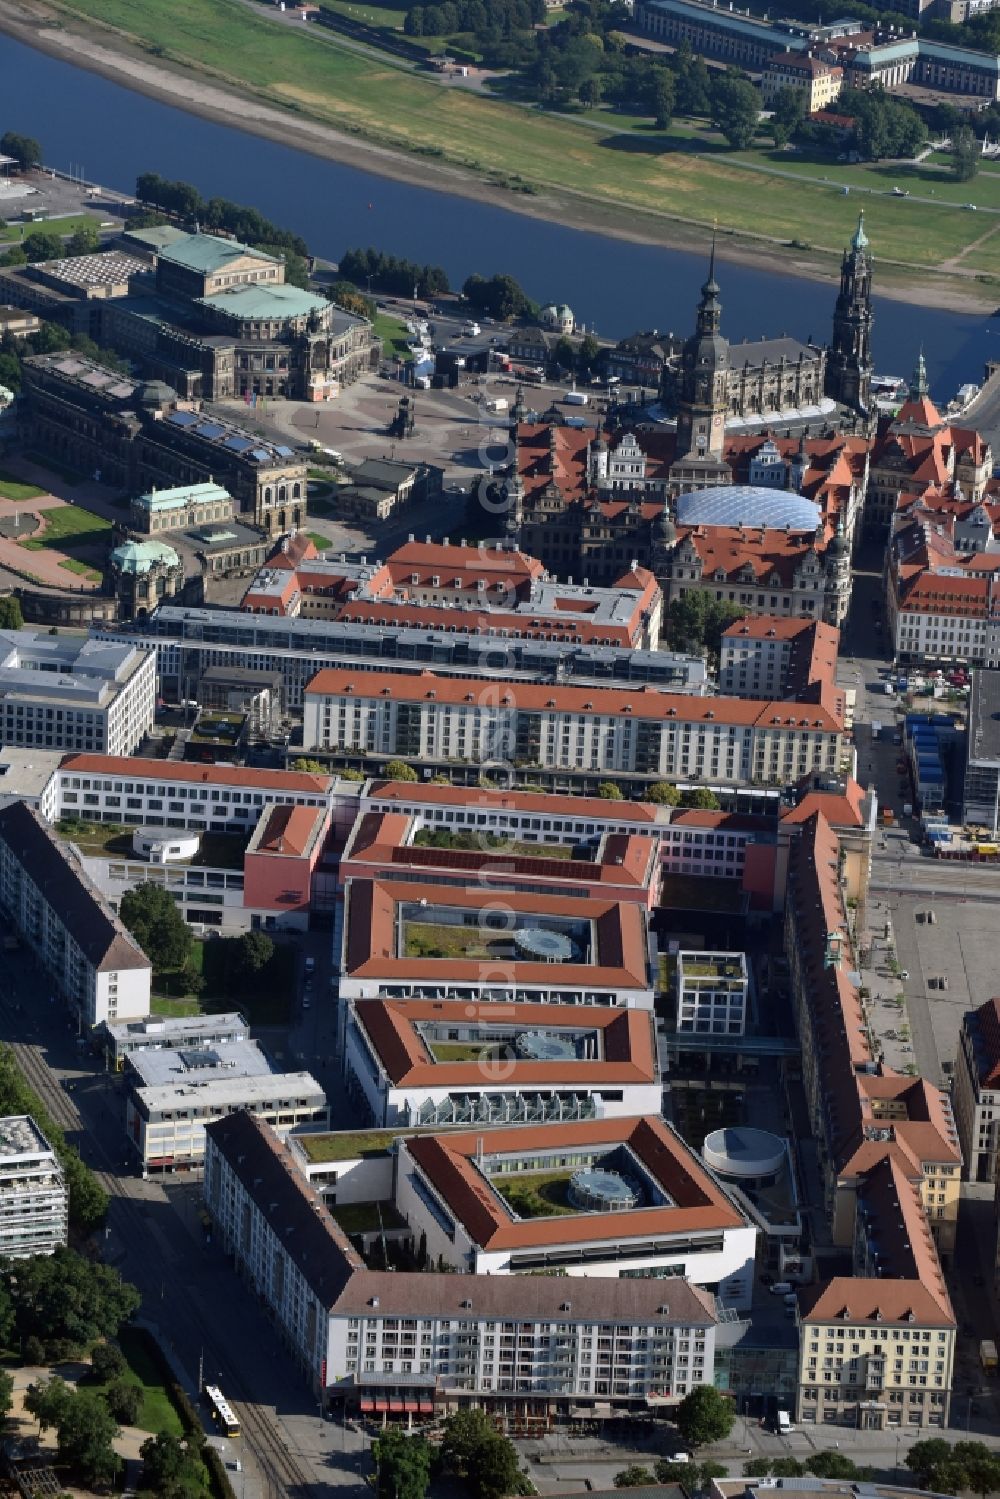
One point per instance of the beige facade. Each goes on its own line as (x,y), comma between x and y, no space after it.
(818,82)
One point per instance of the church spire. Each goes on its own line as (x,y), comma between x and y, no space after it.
(709,319)
(919,384)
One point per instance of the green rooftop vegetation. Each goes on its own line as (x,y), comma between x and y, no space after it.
(112,839)
(489,843)
(466,1051)
(543,1194)
(429,939)
(366,1217)
(686,892)
(346,1145)
(216,728)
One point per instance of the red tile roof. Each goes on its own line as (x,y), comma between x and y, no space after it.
(201,775)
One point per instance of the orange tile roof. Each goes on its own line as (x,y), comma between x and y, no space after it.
(619,953)
(290,831)
(512,569)
(201,775)
(640,702)
(848,1299)
(523,625)
(448,1161)
(391,1026)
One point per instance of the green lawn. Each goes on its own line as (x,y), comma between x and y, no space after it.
(463,1051)
(73,565)
(368,15)
(428,939)
(363,1217)
(347,1145)
(14,489)
(68,225)
(69,526)
(392,332)
(157,1412)
(319,542)
(541,1195)
(666,174)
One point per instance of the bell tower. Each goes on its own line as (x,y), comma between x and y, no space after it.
(704,399)
(849,364)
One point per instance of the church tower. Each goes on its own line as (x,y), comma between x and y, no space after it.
(704,396)
(849,365)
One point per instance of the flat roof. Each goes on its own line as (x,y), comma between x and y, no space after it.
(20,1135)
(521,803)
(166,1029)
(984,717)
(27,772)
(135,768)
(207,1062)
(234,1092)
(262,301)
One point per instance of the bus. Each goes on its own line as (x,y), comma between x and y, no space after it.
(222,1412)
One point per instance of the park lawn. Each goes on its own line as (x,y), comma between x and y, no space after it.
(68,225)
(310,72)
(14,489)
(157,1413)
(319,542)
(69,526)
(878,177)
(392,332)
(370,15)
(73,565)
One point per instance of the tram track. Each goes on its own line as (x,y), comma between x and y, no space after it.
(284,1477)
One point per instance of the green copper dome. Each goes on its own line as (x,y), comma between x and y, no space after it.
(860,240)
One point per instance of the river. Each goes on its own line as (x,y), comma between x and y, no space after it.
(615,286)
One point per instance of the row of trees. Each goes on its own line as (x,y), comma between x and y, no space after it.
(472,1450)
(498,296)
(88,1202)
(247,224)
(827,1464)
(23,148)
(165,937)
(948,1469)
(486,23)
(370,268)
(44,244)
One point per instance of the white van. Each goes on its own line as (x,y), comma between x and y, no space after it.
(784,1423)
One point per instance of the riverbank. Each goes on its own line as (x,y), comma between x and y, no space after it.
(108,52)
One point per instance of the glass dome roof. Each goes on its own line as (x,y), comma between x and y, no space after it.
(747,505)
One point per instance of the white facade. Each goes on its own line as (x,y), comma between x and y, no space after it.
(98,967)
(442,1339)
(925,635)
(166,1124)
(712,991)
(57,692)
(720,740)
(34,1198)
(753,665)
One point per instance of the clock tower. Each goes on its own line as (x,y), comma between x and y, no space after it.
(704,397)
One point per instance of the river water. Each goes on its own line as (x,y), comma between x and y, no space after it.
(112,133)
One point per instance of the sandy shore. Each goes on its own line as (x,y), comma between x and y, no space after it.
(113,57)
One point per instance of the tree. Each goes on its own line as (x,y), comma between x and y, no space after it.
(589,92)
(84,242)
(704,1416)
(47,1400)
(169,1468)
(634,1477)
(403,1464)
(124,1400)
(610,791)
(664,98)
(787,115)
(701,798)
(6,1393)
(313,767)
(463,1433)
(24,148)
(494,1470)
(981,1464)
(34,1351)
(398,770)
(157,925)
(831,1465)
(86,1429)
(587,353)
(709,1470)
(8,1316)
(107,1362)
(670,1472)
(965,155)
(68,1301)
(11,617)
(926,1458)
(757,1467)
(662,794)
(735,110)
(42,245)
(787,1467)
(255,952)
(564,353)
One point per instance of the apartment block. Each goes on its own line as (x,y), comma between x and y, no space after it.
(975,1091)
(60,693)
(34,1197)
(767,656)
(433,720)
(529,1349)
(88,955)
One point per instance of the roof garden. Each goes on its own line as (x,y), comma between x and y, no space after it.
(114,840)
(218,728)
(427,931)
(349,1145)
(553,1184)
(490,843)
(485,1041)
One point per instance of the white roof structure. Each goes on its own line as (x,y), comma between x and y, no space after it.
(748,505)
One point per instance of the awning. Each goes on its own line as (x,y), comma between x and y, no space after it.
(396,1406)
(367,1405)
(411,1405)
(381,1406)
(426,1407)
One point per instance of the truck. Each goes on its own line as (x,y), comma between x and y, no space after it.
(988,1355)
(576,398)
(499,403)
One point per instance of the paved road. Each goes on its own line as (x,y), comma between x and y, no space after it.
(189,1288)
